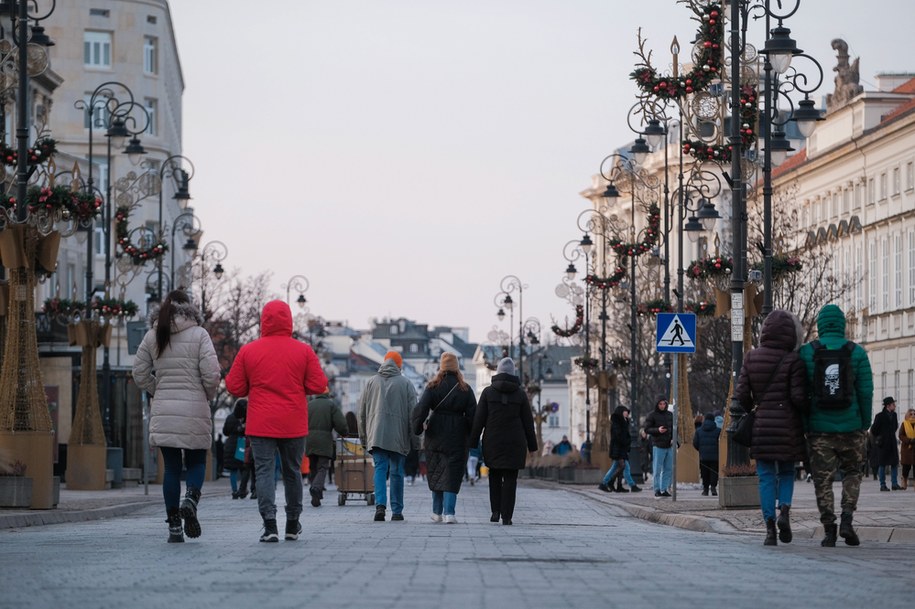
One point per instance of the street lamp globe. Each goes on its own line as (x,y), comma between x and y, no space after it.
(571,271)
(218,270)
(708,215)
(301,301)
(586,244)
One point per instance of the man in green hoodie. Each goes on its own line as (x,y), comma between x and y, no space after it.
(836,431)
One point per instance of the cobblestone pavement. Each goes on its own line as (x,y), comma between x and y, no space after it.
(569,547)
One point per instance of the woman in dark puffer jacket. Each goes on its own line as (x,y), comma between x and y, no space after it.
(451,403)
(774,377)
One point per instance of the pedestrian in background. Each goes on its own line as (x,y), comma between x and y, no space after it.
(836,434)
(276,373)
(443,417)
(324,418)
(886,422)
(773,380)
(473,463)
(505,420)
(620,445)
(234,429)
(177,365)
(218,447)
(907,446)
(659,427)
(705,440)
(385,407)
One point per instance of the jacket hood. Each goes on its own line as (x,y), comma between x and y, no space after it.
(186,310)
(781,330)
(831,321)
(505,383)
(389,368)
(276,319)
(241,409)
(709,425)
(617,415)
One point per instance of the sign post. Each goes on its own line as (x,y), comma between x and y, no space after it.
(676,333)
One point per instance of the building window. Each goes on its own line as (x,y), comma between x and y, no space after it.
(881,187)
(897,262)
(859,195)
(909,175)
(99,117)
(152,106)
(393,329)
(99,12)
(99,243)
(414,348)
(835,205)
(151,19)
(897,181)
(150,55)
(911,268)
(846,201)
(872,275)
(859,279)
(871,192)
(553,420)
(97,49)
(885,274)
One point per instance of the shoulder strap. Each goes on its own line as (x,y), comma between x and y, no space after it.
(442,401)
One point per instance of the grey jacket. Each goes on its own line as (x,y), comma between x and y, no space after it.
(384,410)
(324,417)
(182,381)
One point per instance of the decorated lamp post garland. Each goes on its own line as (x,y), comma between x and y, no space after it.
(41,152)
(58,201)
(139,255)
(576,327)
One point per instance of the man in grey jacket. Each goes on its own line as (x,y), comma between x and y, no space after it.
(324,417)
(384,428)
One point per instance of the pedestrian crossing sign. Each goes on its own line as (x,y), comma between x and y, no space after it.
(676,333)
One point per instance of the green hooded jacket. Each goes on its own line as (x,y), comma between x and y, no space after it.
(831,329)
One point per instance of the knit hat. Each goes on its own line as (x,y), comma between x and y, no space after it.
(449,362)
(394,355)
(888,400)
(506,366)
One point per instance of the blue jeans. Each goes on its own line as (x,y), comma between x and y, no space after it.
(291,451)
(626,473)
(894,473)
(196,462)
(443,502)
(662,463)
(233,479)
(776,479)
(387,461)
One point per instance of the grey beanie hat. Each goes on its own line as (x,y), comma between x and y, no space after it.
(506,366)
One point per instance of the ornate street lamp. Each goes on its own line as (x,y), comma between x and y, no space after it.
(508,285)
(173,167)
(215,251)
(190,226)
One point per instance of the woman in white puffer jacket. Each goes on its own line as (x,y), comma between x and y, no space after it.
(176,364)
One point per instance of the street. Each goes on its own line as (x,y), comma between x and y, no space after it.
(566,549)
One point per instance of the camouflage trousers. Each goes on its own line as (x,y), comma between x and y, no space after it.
(829,453)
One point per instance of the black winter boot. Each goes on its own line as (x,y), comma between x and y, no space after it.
(846,531)
(829,540)
(784,524)
(175,535)
(770,533)
(189,512)
(619,487)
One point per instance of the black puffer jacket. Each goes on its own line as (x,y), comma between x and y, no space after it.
(778,434)
(234,429)
(445,440)
(505,419)
(653,424)
(706,440)
(620,439)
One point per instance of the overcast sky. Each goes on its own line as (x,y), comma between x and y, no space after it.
(405,155)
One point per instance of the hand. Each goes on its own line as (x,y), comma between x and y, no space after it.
(662,429)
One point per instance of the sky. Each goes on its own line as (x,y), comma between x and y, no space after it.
(406,155)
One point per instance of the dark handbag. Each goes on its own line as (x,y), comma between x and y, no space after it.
(743,434)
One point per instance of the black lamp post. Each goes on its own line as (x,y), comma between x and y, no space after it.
(215,251)
(504,301)
(173,167)
(508,285)
(189,225)
(572,251)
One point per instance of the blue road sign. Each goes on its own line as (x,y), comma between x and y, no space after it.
(676,333)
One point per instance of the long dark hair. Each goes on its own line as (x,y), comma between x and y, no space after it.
(166,314)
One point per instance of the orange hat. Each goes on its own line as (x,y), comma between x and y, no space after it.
(449,362)
(394,355)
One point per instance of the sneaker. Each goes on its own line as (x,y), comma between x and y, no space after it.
(436,517)
(884,488)
(635,488)
(315,497)
(379,513)
(270,534)
(293,530)
(896,487)
(234,495)
(603,487)
(398,517)
(665,494)
(657,493)
(450,519)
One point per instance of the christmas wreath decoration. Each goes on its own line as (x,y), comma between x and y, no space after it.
(701,308)
(605,283)
(653,307)
(43,150)
(587,363)
(623,249)
(716,266)
(749,116)
(137,254)
(619,361)
(707,66)
(79,205)
(781,265)
(110,307)
(576,327)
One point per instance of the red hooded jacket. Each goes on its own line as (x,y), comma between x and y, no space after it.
(276,372)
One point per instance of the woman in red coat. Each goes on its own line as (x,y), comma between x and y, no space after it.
(276,373)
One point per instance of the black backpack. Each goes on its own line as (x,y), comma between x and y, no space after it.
(833,376)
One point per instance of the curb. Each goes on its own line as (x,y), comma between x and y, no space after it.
(39,518)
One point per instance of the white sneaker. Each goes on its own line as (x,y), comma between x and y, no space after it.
(436,517)
(450,519)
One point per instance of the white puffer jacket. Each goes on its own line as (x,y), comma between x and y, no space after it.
(182,382)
